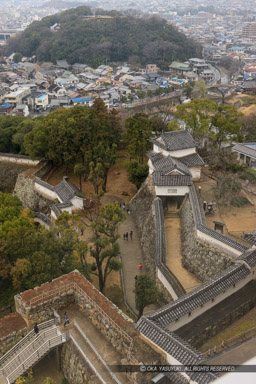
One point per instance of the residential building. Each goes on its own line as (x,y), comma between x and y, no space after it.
(17,96)
(42,101)
(249,31)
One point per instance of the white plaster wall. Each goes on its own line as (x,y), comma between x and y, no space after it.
(196,173)
(166,284)
(53,216)
(47,192)
(67,209)
(179,153)
(198,311)
(150,166)
(19,160)
(218,244)
(163,191)
(77,202)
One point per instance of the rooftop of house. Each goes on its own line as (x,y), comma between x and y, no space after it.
(248,149)
(171,180)
(175,140)
(167,164)
(66,191)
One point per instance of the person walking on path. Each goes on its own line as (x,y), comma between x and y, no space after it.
(36,329)
(131,233)
(124,236)
(66,319)
(127,236)
(124,206)
(140,267)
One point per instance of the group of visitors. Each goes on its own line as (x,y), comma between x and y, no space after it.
(126,235)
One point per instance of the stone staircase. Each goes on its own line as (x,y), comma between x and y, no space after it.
(29,350)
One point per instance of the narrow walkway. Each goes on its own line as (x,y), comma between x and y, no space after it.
(174,257)
(101,344)
(131,256)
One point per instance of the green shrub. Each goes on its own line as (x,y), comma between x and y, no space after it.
(239,201)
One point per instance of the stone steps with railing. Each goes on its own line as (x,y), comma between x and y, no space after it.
(29,351)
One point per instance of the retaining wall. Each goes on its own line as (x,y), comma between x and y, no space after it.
(18,159)
(199,257)
(142,209)
(74,367)
(25,190)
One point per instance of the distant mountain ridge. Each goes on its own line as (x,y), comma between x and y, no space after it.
(95,41)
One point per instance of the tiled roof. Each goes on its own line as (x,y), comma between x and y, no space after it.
(175,140)
(192,160)
(44,184)
(249,257)
(242,148)
(56,209)
(169,342)
(66,191)
(250,237)
(201,295)
(200,222)
(166,164)
(42,216)
(171,180)
(224,239)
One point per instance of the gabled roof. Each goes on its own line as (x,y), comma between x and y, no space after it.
(167,164)
(199,296)
(171,180)
(192,160)
(66,191)
(248,149)
(175,140)
(169,342)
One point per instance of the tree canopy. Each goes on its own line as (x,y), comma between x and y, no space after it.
(138,132)
(146,292)
(96,40)
(31,255)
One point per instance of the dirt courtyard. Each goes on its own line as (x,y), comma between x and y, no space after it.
(237,219)
(119,189)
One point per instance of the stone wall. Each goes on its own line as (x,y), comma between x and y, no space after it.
(43,311)
(222,324)
(10,340)
(203,260)
(142,209)
(74,366)
(114,325)
(24,190)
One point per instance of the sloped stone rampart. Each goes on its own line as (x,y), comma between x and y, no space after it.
(24,190)
(200,258)
(73,366)
(142,209)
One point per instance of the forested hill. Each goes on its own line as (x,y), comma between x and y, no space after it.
(94,41)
